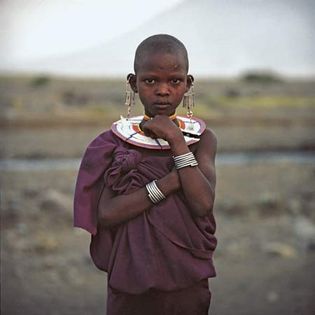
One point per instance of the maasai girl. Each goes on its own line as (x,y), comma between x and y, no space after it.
(145,192)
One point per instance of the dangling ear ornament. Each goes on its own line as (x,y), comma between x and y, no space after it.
(130,96)
(189,103)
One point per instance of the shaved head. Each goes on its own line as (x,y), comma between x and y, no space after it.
(161,43)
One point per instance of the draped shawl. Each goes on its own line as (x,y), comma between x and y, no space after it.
(164,248)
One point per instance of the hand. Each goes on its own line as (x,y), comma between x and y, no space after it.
(162,127)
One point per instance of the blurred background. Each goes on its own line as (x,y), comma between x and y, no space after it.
(63,66)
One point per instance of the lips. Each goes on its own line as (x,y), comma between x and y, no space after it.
(161,108)
(163,104)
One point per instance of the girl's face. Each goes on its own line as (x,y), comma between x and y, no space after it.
(161,82)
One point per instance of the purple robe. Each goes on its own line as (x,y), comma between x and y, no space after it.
(164,248)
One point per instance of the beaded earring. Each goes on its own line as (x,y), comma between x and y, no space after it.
(189,102)
(130,96)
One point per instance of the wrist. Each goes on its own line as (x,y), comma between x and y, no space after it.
(154,193)
(178,144)
(185,160)
(170,183)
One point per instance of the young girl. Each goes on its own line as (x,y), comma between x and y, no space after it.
(145,191)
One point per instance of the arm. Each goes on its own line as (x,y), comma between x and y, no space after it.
(113,210)
(197,183)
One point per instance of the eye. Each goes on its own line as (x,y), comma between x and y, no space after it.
(149,81)
(176,81)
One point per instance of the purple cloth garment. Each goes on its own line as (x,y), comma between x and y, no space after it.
(194,300)
(164,248)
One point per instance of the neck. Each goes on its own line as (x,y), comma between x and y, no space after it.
(146,117)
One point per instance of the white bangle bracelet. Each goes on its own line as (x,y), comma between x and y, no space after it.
(154,193)
(184,160)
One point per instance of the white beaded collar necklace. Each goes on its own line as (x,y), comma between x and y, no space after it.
(129,131)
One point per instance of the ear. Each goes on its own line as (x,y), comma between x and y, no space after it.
(190,81)
(132,79)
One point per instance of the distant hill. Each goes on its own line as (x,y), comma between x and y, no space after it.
(223,37)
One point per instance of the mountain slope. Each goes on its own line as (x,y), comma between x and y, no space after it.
(223,38)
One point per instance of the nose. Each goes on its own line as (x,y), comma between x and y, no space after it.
(162,89)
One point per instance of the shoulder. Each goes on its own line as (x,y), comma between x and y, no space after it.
(106,137)
(99,153)
(209,136)
(207,147)
(208,140)
(100,147)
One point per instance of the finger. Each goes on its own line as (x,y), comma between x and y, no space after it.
(149,133)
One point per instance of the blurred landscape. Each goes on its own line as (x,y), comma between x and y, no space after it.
(219,37)
(265,201)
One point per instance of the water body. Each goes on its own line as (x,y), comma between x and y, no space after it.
(245,158)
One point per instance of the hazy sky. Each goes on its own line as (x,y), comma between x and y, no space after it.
(223,37)
(31,29)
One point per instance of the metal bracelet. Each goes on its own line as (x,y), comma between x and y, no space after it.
(184,160)
(154,193)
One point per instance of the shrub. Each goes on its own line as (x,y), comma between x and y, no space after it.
(40,81)
(264,77)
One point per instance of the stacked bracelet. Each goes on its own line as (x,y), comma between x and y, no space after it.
(184,160)
(154,193)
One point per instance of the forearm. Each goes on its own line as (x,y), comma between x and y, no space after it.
(197,182)
(197,190)
(196,187)
(119,209)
